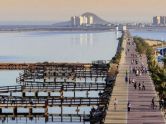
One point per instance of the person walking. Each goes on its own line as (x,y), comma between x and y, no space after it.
(153,103)
(139,85)
(115,104)
(135,85)
(129,106)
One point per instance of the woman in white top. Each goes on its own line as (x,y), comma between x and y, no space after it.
(115,104)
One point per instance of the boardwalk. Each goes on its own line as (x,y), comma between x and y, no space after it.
(141,110)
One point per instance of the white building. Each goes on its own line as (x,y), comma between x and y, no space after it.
(81,20)
(124,28)
(90,20)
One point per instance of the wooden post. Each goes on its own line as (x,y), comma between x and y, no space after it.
(87,94)
(84,117)
(62,98)
(23,94)
(0,111)
(46,111)
(61,111)
(10,93)
(30,111)
(49,94)
(36,94)
(15,111)
(74,91)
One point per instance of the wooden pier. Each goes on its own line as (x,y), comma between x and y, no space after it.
(6,117)
(57,78)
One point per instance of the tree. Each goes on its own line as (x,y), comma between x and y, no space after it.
(164,60)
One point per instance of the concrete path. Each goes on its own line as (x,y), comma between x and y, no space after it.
(120,92)
(141,110)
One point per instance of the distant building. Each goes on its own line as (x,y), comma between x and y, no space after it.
(82,20)
(75,21)
(90,20)
(159,20)
(124,28)
(163,20)
(156,20)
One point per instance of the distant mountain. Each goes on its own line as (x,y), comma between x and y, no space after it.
(97,19)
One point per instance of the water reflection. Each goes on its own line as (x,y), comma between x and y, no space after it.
(83,39)
(59,47)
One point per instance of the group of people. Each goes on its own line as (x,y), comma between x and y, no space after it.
(137,85)
(116,104)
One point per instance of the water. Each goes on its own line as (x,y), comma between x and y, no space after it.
(8,78)
(150,35)
(57,46)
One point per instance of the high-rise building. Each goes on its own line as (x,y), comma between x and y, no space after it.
(159,20)
(163,20)
(90,20)
(73,20)
(156,20)
(81,20)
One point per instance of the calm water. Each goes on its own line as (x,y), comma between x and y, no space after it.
(150,35)
(57,46)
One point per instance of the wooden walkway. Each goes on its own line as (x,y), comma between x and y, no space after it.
(141,110)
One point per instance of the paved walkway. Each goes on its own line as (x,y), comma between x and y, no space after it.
(141,100)
(120,92)
(141,111)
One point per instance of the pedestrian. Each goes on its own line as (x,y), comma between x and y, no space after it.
(139,85)
(129,81)
(133,81)
(126,79)
(115,104)
(129,106)
(153,103)
(135,85)
(143,87)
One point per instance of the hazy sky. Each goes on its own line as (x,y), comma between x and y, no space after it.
(59,10)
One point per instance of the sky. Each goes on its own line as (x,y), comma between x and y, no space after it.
(61,10)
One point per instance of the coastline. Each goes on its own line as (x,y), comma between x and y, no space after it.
(155,43)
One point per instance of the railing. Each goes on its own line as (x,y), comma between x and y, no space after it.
(50,101)
(6,89)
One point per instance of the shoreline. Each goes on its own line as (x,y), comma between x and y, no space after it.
(155,43)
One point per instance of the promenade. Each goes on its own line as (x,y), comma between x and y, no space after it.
(120,92)
(139,97)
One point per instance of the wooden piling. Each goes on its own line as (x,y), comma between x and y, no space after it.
(15,111)
(23,94)
(0,111)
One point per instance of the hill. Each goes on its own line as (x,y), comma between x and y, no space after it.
(96,19)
